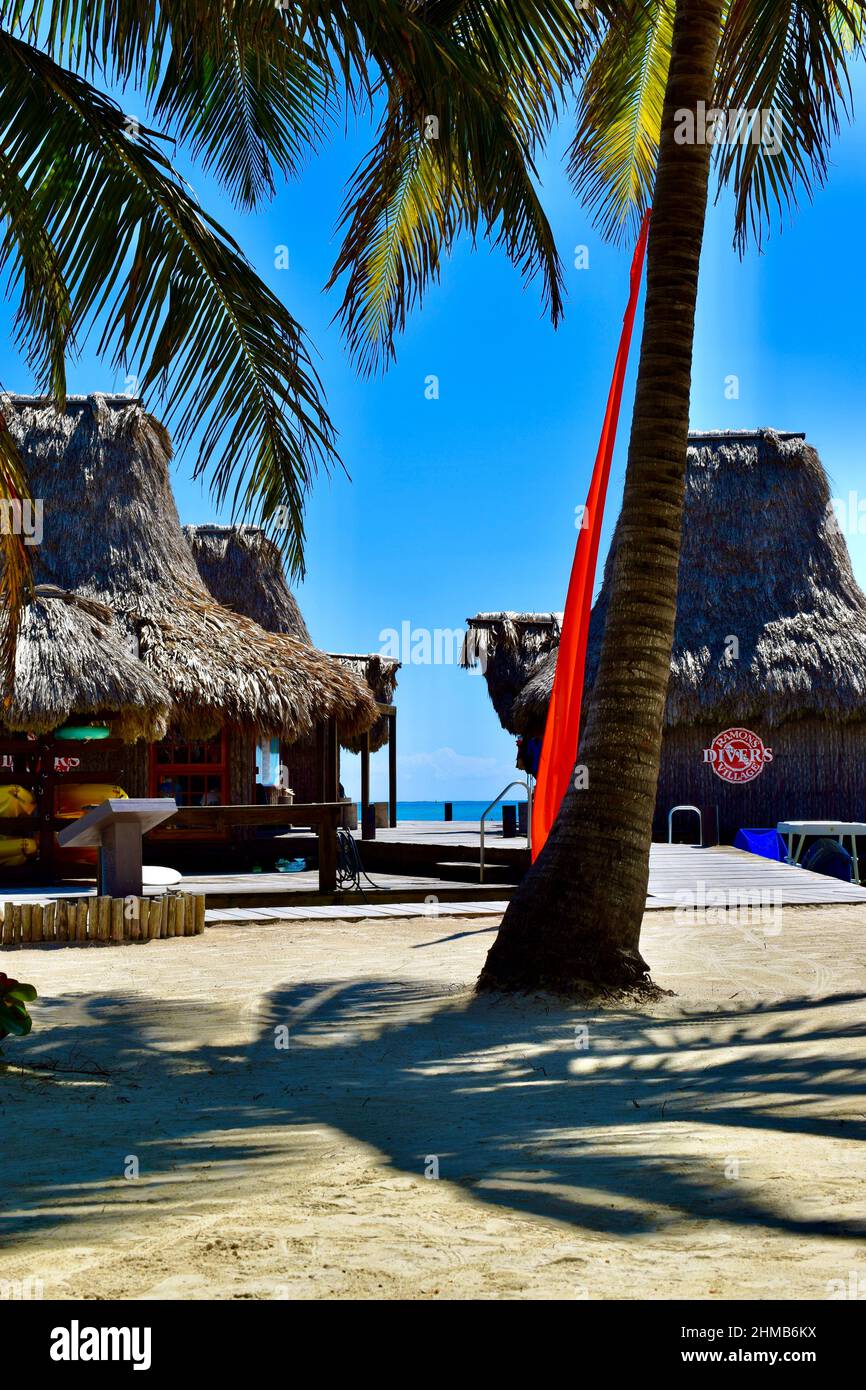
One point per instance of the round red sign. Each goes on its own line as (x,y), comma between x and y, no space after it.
(737,755)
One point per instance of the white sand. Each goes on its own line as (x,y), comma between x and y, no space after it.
(709,1146)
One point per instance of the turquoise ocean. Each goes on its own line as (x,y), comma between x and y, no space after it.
(463,810)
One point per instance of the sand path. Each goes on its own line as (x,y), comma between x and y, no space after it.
(710,1146)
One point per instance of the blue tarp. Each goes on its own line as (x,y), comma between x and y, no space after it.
(768,843)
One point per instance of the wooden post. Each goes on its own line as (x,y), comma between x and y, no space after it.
(49,922)
(36,924)
(180,915)
(120,860)
(81,920)
(365,784)
(144,919)
(26,921)
(6,937)
(155,925)
(392,769)
(320,761)
(199,913)
(45,808)
(327,855)
(332,762)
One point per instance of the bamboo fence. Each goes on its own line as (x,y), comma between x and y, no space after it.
(102,921)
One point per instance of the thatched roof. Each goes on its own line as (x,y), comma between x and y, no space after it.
(380,673)
(243,569)
(763,561)
(510,648)
(112,535)
(72,659)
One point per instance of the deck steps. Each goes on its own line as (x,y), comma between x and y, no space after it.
(467,871)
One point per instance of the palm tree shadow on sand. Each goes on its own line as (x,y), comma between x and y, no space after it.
(515,1103)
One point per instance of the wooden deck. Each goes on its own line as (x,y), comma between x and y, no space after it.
(418,846)
(301,889)
(680,877)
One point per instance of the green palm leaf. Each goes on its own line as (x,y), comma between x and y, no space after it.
(471,73)
(170,291)
(789,63)
(43,321)
(399,215)
(246,109)
(612,159)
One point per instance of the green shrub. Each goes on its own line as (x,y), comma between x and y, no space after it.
(14,1017)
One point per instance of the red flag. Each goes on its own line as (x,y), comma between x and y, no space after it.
(559,750)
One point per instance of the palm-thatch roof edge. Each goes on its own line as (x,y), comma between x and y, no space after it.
(112,534)
(771,623)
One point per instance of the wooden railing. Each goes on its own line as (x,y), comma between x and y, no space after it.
(322,816)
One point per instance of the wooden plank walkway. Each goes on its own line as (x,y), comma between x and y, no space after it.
(679,874)
(351,912)
(679,877)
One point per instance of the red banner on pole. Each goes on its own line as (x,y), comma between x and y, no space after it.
(559,749)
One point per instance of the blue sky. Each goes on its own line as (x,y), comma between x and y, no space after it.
(467,502)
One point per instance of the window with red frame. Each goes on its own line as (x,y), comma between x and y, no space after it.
(193,771)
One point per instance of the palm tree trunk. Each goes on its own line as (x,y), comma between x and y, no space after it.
(576,917)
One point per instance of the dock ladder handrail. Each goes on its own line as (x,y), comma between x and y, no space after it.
(525,783)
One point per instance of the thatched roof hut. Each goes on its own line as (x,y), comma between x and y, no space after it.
(135,634)
(510,648)
(243,569)
(380,674)
(73,659)
(770,635)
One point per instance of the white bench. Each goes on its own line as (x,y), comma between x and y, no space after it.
(833,829)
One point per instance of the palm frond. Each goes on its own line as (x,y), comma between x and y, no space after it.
(238,79)
(472,75)
(612,159)
(43,323)
(247,107)
(407,203)
(400,215)
(117,39)
(785,65)
(170,291)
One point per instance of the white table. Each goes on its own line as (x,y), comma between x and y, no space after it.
(832,829)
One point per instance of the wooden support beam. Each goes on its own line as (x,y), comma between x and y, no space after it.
(320,761)
(365,785)
(332,762)
(45,807)
(392,770)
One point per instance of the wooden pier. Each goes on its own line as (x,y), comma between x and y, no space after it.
(431,864)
